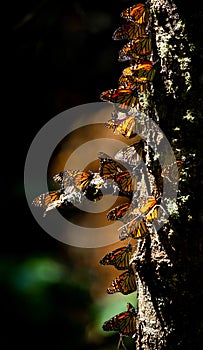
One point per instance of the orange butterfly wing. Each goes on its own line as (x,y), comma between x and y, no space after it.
(150,203)
(125,322)
(138,13)
(134,229)
(124,284)
(129,31)
(119,258)
(118,212)
(45,199)
(123,97)
(136,48)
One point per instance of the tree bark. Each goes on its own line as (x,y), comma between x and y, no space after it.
(166,260)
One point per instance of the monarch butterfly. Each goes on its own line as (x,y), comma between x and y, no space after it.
(127,127)
(135,219)
(110,169)
(124,323)
(108,166)
(126,183)
(152,214)
(129,31)
(138,13)
(137,76)
(172,171)
(124,284)
(144,64)
(50,200)
(119,258)
(131,83)
(132,154)
(149,204)
(145,211)
(45,199)
(138,228)
(134,229)
(144,72)
(136,48)
(125,98)
(82,181)
(118,212)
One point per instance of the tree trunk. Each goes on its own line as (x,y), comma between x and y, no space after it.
(165,262)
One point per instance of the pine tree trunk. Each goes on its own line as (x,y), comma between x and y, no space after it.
(152,269)
(165,261)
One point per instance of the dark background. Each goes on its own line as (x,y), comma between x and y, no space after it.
(58,54)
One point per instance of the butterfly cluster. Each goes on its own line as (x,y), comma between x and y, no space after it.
(75,187)
(125,322)
(138,214)
(120,258)
(135,215)
(135,78)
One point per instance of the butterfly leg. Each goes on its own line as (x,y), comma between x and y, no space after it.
(121,343)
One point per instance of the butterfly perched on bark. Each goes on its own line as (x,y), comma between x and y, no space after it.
(132,83)
(136,48)
(80,179)
(148,205)
(138,13)
(129,31)
(88,183)
(128,127)
(125,283)
(75,186)
(132,154)
(136,229)
(142,73)
(45,199)
(118,212)
(112,170)
(125,98)
(50,200)
(125,322)
(119,258)
(136,218)
(172,171)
